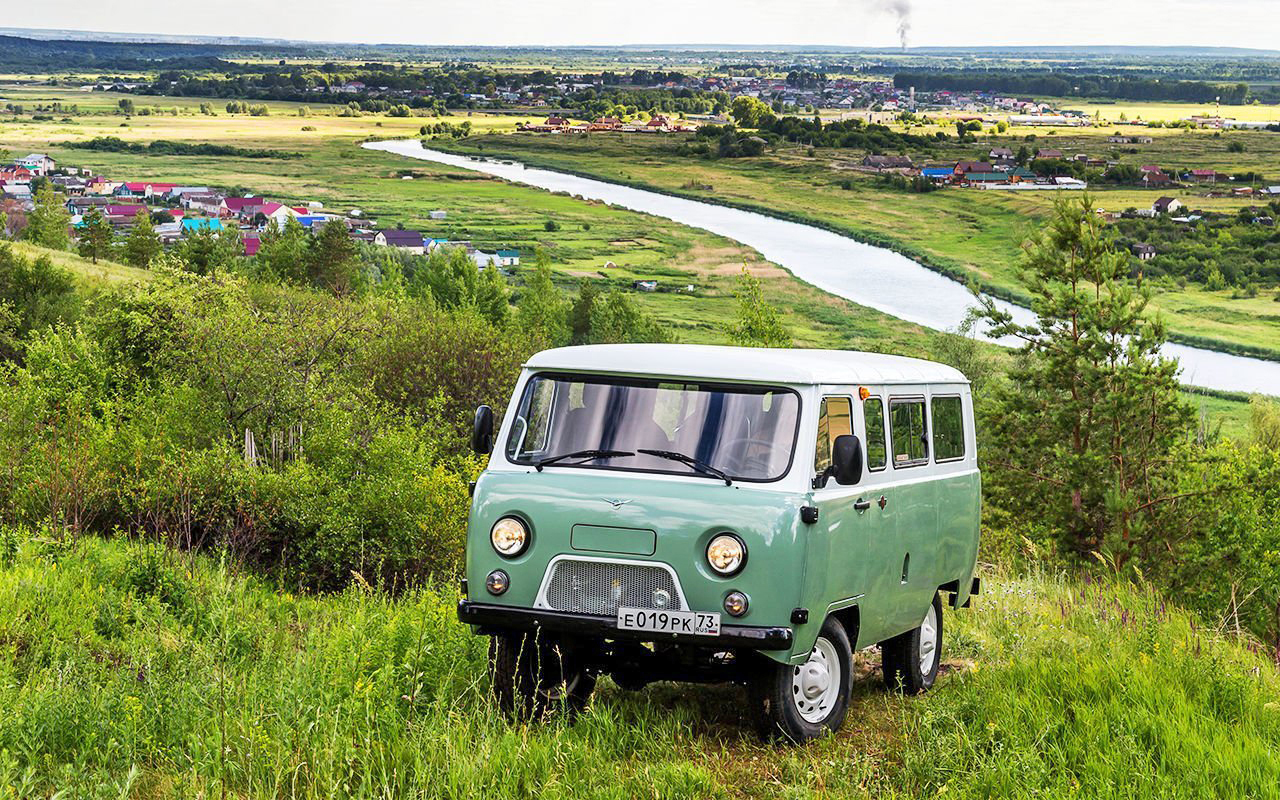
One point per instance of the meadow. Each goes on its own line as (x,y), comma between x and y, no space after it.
(968,234)
(178,619)
(488,212)
(129,670)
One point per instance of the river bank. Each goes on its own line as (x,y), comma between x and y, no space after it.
(873,276)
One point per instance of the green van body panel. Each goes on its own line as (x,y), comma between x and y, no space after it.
(684,512)
(925,519)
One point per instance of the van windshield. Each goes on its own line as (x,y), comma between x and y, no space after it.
(744,432)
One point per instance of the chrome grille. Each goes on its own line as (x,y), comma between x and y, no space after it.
(601,587)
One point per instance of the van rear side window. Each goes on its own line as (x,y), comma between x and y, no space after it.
(877,452)
(948,429)
(907,429)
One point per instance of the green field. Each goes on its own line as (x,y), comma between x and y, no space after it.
(129,671)
(963,232)
(486,211)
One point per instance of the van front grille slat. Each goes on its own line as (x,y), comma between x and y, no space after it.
(601,587)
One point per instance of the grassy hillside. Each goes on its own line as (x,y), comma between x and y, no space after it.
(103,273)
(130,671)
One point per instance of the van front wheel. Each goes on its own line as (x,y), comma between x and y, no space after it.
(806,701)
(911,660)
(533,674)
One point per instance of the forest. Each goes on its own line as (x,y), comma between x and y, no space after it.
(1052,84)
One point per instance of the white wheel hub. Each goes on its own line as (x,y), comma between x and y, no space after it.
(815,684)
(929,641)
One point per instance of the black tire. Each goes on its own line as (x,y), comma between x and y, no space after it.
(534,674)
(786,711)
(904,656)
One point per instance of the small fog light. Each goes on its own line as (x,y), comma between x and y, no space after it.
(735,603)
(661,597)
(497,582)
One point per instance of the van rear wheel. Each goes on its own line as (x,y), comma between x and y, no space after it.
(809,700)
(911,660)
(532,674)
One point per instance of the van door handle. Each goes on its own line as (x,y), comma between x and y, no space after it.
(861,505)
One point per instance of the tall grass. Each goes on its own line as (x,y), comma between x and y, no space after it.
(127,670)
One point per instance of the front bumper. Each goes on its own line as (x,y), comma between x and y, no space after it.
(490,617)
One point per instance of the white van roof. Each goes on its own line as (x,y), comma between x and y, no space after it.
(745,364)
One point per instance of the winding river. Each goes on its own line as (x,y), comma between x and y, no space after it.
(871,276)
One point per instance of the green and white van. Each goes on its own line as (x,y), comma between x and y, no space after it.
(685,512)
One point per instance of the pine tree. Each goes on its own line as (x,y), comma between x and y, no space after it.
(758,324)
(542,309)
(1083,434)
(580,314)
(615,318)
(96,236)
(48,223)
(141,244)
(283,252)
(492,297)
(331,259)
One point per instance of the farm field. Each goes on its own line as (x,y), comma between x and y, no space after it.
(488,212)
(963,232)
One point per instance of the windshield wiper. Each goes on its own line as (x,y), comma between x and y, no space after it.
(700,466)
(586,455)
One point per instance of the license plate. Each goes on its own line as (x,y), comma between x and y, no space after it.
(697,623)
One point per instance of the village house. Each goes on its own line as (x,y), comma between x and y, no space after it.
(1156,178)
(401,239)
(144,189)
(437,214)
(209,203)
(963,168)
(645,286)
(236,206)
(1001,154)
(16,173)
(1166,205)
(508,258)
(606,124)
(275,213)
(1047,153)
(1207,176)
(1144,252)
(190,226)
(38,163)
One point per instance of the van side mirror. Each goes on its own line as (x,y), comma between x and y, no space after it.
(482,431)
(846,460)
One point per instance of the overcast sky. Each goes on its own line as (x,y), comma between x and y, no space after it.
(869,23)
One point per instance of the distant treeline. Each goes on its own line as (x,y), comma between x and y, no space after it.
(165,147)
(62,54)
(1049,84)
(851,133)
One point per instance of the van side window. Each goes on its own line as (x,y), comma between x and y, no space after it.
(948,429)
(834,419)
(906,426)
(873,413)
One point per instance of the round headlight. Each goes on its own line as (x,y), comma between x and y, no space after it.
(726,554)
(509,536)
(497,582)
(736,603)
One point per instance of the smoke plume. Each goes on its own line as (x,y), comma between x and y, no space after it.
(902,10)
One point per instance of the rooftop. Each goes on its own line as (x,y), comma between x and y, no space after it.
(745,364)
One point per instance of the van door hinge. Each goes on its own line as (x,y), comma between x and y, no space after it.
(808,514)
